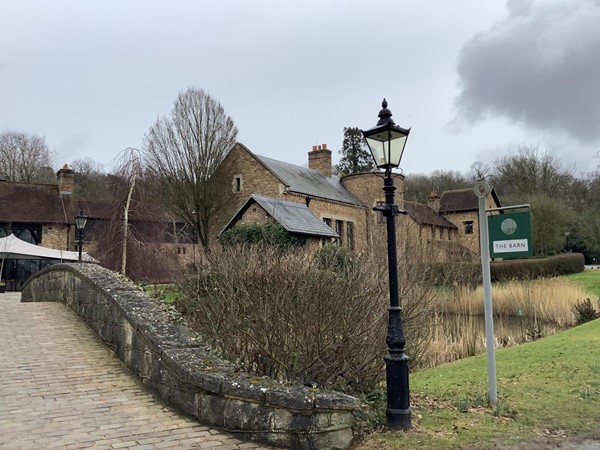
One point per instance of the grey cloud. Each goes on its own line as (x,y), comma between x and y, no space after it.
(539,67)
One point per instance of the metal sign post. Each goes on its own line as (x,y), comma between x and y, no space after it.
(482,189)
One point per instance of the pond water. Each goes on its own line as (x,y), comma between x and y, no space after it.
(454,337)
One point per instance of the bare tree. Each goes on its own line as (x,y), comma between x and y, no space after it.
(419,186)
(130,234)
(25,157)
(91,182)
(183,150)
(129,168)
(479,171)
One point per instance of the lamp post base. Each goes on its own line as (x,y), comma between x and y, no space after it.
(398,419)
(398,412)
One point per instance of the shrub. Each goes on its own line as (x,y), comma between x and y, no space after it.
(336,257)
(451,273)
(298,318)
(271,234)
(584,311)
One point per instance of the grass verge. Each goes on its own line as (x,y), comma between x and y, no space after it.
(589,279)
(550,387)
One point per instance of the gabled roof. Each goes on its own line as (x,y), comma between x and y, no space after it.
(426,215)
(293,216)
(34,203)
(310,182)
(462,200)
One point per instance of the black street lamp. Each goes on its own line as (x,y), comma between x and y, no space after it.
(386,142)
(80,223)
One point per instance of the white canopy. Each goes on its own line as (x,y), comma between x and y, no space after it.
(11,247)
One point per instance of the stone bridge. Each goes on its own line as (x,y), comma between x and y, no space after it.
(61,387)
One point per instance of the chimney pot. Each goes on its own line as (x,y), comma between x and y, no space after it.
(320,159)
(324,146)
(66,180)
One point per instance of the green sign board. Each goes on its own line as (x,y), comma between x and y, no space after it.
(510,235)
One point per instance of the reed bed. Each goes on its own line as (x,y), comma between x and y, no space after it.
(523,311)
(548,300)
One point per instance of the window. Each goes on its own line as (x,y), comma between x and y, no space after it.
(468,227)
(237,183)
(350,235)
(327,221)
(339,229)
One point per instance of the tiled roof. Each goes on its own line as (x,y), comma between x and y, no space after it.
(34,203)
(459,200)
(293,216)
(462,200)
(43,204)
(309,181)
(426,216)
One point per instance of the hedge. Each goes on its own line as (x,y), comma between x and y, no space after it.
(526,269)
(515,269)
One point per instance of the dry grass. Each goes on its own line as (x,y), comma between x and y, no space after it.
(523,310)
(547,300)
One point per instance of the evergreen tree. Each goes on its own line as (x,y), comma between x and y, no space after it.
(356,157)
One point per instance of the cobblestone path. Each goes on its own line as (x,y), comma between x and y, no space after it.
(60,387)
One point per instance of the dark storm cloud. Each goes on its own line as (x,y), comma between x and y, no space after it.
(539,67)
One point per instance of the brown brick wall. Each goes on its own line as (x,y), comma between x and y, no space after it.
(254,179)
(368,188)
(66,180)
(57,236)
(421,241)
(320,159)
(471,241)
(342,212)
(255,215)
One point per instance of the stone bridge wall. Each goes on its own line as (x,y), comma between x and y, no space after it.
(182,370)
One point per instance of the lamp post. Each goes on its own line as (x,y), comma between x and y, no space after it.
(80,223)
(386,142)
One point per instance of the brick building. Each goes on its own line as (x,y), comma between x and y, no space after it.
(461,208)
(261,190)
(44,215)
(41,214)
(344,205)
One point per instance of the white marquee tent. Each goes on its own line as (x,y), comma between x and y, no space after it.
(11,247)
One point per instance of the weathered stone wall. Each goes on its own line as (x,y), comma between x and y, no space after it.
(58,236)
(182,370)
(255,215)
(471,241)
(254,179)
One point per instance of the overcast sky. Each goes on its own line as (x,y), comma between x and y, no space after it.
(474,79)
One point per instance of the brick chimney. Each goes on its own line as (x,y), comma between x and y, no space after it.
(434,201)
(320,159)
(66,180)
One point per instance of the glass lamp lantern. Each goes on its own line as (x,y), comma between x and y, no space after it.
(386,140)
(81,220)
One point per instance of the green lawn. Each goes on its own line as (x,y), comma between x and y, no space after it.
(590,279)
(167,293)
(547,387)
